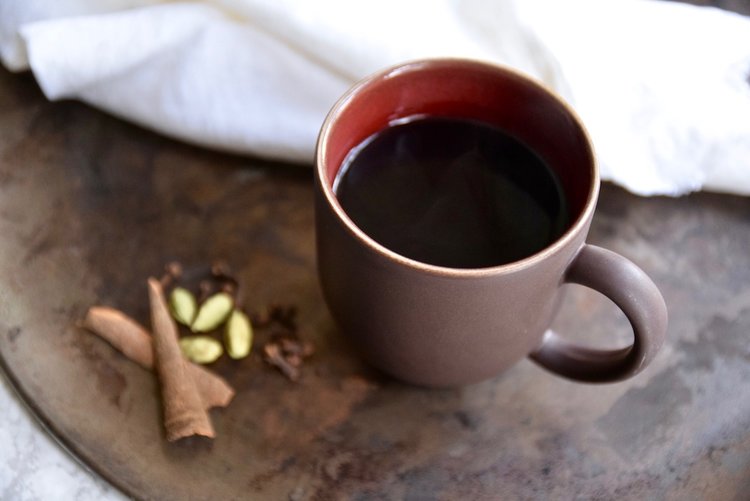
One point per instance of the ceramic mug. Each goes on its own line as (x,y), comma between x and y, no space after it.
(437,326)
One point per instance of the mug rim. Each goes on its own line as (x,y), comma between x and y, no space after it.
(572,231)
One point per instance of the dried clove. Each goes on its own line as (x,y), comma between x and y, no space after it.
(294,360)
(274,356)
(295,347)
(288,354)
(220,269)
(174,269)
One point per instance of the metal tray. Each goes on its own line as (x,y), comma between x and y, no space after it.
(90,207)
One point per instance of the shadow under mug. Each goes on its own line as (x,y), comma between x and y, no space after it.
(438,326)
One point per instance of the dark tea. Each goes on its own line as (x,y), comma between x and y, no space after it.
(452,192)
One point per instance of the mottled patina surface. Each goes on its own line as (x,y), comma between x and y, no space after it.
(90,206)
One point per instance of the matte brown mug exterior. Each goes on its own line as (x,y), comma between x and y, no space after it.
(443,327)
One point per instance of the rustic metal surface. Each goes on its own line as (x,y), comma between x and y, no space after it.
(89,207)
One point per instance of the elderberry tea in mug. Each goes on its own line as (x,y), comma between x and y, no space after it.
(452,192)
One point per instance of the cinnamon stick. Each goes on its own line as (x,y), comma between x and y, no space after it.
(184,414)
(122,332)
(135,342)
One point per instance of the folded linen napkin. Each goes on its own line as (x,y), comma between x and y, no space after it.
(661,86)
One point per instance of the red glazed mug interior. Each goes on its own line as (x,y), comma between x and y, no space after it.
(526,111)
(388,303)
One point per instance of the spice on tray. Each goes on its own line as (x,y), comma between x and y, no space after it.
(238,335)
(122,332)
(183,305)
(275,357)
(201,349)
(285,351)
(211,325)
(134,341)
(184,414)
(294,349)
(213,312)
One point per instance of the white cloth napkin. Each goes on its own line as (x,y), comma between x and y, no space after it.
(662,87)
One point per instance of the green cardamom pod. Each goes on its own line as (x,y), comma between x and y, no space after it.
(201,349)
(213,312)
(183,305)
(238,335)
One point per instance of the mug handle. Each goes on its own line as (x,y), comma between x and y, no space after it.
(635,294)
